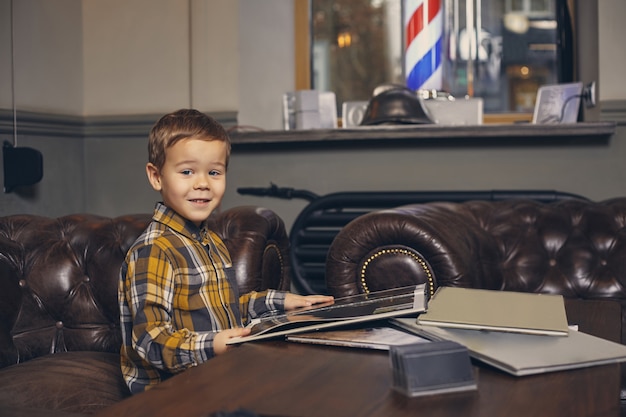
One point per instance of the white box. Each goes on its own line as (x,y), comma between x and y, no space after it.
(352,113)
(308,120)
(328,110)
(307,100)
(461,111)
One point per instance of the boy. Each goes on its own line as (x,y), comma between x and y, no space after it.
(178,303)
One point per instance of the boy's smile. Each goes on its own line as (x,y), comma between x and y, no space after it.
(192,181)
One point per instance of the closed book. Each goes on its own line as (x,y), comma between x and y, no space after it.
(508,311)
(525,354)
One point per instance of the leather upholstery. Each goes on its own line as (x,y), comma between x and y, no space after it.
(571,247)
(59,316)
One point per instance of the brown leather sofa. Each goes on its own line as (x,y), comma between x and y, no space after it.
(572,247)
(59,319)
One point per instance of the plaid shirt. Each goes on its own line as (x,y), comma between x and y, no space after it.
(177,290)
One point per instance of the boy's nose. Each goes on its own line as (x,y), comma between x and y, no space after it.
(202,182)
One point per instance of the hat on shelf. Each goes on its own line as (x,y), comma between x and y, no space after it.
(395,104)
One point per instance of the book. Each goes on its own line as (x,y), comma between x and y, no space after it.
(342,311)
(522,354)
(379,337)
(509,311)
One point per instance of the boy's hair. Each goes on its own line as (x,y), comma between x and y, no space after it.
(179,125)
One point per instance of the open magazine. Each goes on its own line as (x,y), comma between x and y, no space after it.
(380,337)
(342,311)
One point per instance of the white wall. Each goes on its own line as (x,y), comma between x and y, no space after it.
(136,56)
(154,56)
(47,53)
(266,61)
(5,54)
(215,55)
(120,57)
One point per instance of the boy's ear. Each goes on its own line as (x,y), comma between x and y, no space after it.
(153,176)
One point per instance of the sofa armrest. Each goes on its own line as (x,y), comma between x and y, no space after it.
(438,235)
(259,247)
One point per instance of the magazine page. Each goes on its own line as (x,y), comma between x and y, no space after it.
(365,337)
(352,309)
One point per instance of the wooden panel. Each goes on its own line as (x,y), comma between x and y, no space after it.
(289,379)
(302,45)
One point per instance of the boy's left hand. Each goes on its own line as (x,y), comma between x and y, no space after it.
(294,300)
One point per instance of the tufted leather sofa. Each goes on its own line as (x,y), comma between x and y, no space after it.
(572,247)
(59,318)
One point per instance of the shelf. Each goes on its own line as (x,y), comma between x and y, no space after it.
(522,134)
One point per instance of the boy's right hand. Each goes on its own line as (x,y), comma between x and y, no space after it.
(220,339)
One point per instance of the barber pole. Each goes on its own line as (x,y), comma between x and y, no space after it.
(423,27)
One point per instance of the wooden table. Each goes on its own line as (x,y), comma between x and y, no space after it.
(293,380)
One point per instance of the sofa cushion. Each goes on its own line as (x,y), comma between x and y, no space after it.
(78,382)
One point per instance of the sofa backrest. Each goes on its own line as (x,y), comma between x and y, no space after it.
(59,276)
(317,225)
(58,280)
(573,247)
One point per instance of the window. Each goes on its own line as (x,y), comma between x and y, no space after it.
(357,45)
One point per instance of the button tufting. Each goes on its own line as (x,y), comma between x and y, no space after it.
(22,283)
(552,262)
(86,279)
(59,324)
(603,262)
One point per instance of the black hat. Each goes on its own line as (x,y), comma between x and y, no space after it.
(395,104)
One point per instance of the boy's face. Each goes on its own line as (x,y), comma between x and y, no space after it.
(192,181)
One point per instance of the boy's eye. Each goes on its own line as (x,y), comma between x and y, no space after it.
(214,172)
(186,172)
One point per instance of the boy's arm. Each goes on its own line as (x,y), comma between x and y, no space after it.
(271,300)
(149,291)
(256,303)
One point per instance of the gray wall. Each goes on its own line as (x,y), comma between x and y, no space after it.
(98,166)
(595,171)
(61,190)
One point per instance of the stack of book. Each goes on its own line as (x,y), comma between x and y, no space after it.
(519,333)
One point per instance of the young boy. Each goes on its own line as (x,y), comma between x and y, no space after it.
(179,302)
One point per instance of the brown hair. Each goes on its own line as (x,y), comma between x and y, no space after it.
(183,124)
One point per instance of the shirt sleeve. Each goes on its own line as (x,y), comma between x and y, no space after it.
(150,281)
(257,303)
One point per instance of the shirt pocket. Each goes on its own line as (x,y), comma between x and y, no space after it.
(194,290)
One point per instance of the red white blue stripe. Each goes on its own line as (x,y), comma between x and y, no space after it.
(423,25)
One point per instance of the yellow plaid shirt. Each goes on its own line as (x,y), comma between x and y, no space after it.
(177,290)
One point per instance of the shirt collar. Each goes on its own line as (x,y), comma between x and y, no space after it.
(168,217)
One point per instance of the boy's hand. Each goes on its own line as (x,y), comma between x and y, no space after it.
(294,300)
(220,339)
